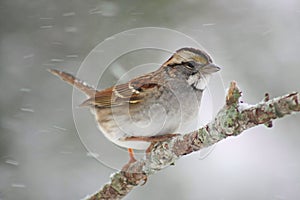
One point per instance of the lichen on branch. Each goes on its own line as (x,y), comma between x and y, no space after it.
(231,120)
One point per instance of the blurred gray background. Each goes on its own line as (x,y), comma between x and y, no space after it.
(41,155)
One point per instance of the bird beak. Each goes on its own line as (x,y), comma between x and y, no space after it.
(210,68)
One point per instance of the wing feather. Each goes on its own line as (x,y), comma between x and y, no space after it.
(132,92)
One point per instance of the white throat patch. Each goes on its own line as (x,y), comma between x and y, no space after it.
(198,81)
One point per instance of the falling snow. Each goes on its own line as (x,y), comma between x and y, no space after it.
(17,185)
(25,90)
(57,43)
(68,14)
(46,18)
(28,56)
(59,128)
(72,56)
(57,60)
(208,24)
(46,27)
(27,110)
(12,162)
(95,11)
(71,29)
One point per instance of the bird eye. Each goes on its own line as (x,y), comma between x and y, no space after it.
(189,65)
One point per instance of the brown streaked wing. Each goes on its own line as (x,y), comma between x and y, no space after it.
(118,95)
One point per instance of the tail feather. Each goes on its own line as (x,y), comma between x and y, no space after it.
(72,80)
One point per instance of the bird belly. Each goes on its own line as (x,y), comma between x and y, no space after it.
(146,119)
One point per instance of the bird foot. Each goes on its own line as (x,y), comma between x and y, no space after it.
(152,139)
(131,159)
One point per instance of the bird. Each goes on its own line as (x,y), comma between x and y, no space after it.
(151,107)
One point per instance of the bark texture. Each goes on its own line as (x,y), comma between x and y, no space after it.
(231,120)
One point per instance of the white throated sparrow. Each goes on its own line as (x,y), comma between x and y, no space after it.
(152,106)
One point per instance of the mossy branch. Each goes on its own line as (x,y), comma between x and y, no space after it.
(231,120)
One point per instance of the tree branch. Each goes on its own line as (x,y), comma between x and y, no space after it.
(231,120)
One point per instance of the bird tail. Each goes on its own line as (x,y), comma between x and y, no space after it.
(72,80)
